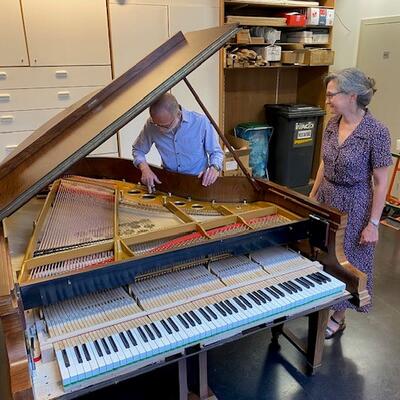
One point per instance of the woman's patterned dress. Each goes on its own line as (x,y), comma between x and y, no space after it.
(347,185)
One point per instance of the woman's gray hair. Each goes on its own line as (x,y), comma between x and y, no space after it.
(352,80)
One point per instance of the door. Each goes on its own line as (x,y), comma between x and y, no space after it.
(379,57)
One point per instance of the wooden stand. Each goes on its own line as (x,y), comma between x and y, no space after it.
(205,392)
(314,347)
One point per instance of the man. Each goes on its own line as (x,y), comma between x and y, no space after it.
(186,141)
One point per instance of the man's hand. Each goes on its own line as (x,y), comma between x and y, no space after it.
(149,178)
(209,176)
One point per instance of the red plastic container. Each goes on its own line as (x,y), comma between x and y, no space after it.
(295,19)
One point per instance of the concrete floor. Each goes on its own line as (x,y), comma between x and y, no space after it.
(363,363)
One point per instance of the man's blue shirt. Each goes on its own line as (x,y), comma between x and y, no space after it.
(190,150)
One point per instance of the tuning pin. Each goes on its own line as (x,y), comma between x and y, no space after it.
(244,202)
(189,198)
(213,202)
(169,194)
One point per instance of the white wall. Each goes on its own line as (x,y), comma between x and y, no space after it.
(347,25)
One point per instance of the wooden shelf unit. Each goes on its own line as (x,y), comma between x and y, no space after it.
(245,91)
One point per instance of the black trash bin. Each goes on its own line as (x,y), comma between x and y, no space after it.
(292,144)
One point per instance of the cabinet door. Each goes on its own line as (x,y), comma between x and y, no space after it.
(191,16)
(66,32)
(135,31)
(12,37)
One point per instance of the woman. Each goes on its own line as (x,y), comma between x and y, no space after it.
(353,173)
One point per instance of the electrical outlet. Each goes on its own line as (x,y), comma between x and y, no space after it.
(398,145)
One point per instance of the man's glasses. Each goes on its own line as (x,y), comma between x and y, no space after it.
(330,95)
(168,126)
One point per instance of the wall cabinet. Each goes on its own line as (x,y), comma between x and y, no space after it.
(13,49)
(141,26)
(66,32)
(69,57)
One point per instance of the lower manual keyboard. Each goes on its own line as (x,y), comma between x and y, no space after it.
(201,321)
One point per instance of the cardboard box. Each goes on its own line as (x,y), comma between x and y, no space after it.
(288,57)
(315,57)
(312,16)
(330,16)
(243,37)
(270,53)
(257,40)
(230,167)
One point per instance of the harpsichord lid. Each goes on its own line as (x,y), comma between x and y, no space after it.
(81,128)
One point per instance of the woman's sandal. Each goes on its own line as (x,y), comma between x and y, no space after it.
(330,333)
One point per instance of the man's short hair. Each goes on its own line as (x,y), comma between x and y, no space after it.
(166,102)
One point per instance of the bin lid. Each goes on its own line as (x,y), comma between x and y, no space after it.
(252,126)
(294,110)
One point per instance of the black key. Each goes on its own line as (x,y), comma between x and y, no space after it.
(259,297)
(317,280)
(98,349)
(220,310)
(113,345)
(156,330)
(166,327)
(239,303)
(184,323)
(292,287)
(269,290)
(228,303)
(306,285)
(261,293)
(211,312)
(86,352)
(195,317)
(288,290)
(124,341)
(65,358)
(187,316)
(245,301)
(78,355)
(311,283)
(173,324)
(204,314)
(144,337)
(131,337)
(278,291)
(225,307)
(296,286)
(322,276)
(149,332)
(254,298)
(318,277)
(105,345)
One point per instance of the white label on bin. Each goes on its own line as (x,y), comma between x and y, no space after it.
(231,165)
(305,134)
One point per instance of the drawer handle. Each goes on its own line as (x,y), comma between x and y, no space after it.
(61,74)
(3,75)
(4,97)
(63,94)
(7,118)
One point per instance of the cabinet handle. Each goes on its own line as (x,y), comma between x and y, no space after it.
(4,97)
(63,94)
(7,118)
(61,74)
(3,75)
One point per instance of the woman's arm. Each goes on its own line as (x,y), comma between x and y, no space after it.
(370,232)
(318,180)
